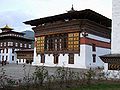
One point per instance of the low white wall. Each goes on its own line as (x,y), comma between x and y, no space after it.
(79,61)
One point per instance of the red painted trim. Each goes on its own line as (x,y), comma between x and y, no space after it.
(98,43)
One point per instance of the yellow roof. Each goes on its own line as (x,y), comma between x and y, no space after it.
(7,27)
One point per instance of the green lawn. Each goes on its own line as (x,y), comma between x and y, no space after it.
(102,86)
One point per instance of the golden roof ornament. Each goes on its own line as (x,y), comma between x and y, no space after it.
(6,28)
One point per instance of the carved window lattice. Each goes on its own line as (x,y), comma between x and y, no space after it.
(40,44)
(56,42)
(73,41)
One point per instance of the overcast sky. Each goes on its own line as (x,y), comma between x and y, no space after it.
(14,12)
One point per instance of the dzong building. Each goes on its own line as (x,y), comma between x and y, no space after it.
(12,42)
(74,39)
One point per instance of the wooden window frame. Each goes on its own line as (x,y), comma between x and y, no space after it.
(12,58)
(93,47)
(56,58)
(71,58)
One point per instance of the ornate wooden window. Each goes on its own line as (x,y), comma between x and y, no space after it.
(73,41)
(40,44)
(42,58)
(10,43)
(71,58)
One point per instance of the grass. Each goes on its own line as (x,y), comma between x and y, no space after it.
(99,86)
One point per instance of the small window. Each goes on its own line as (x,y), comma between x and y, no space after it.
(16,44)
(94,58)
(19,60)
(29,45)
(25,45)
(6,57)
(1,44)
(55,59)
(20,44)
(93,47)
(71,58)
(42,58)
(6,50)
(13,50)
(3,50)
(4,43)
(12,58)
(3,58)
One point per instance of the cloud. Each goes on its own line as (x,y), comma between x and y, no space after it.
(15,19)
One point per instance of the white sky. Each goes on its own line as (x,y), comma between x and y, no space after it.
(14,12)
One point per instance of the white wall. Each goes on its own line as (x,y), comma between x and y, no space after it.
(99,52)
(21,61)
(9,54)
(115,27)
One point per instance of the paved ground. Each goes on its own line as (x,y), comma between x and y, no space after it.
(17,71)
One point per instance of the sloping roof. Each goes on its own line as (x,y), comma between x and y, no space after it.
(110,55)
(83,14)
(111,58)
(9,32)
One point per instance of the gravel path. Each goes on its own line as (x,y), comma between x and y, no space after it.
(18,72)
